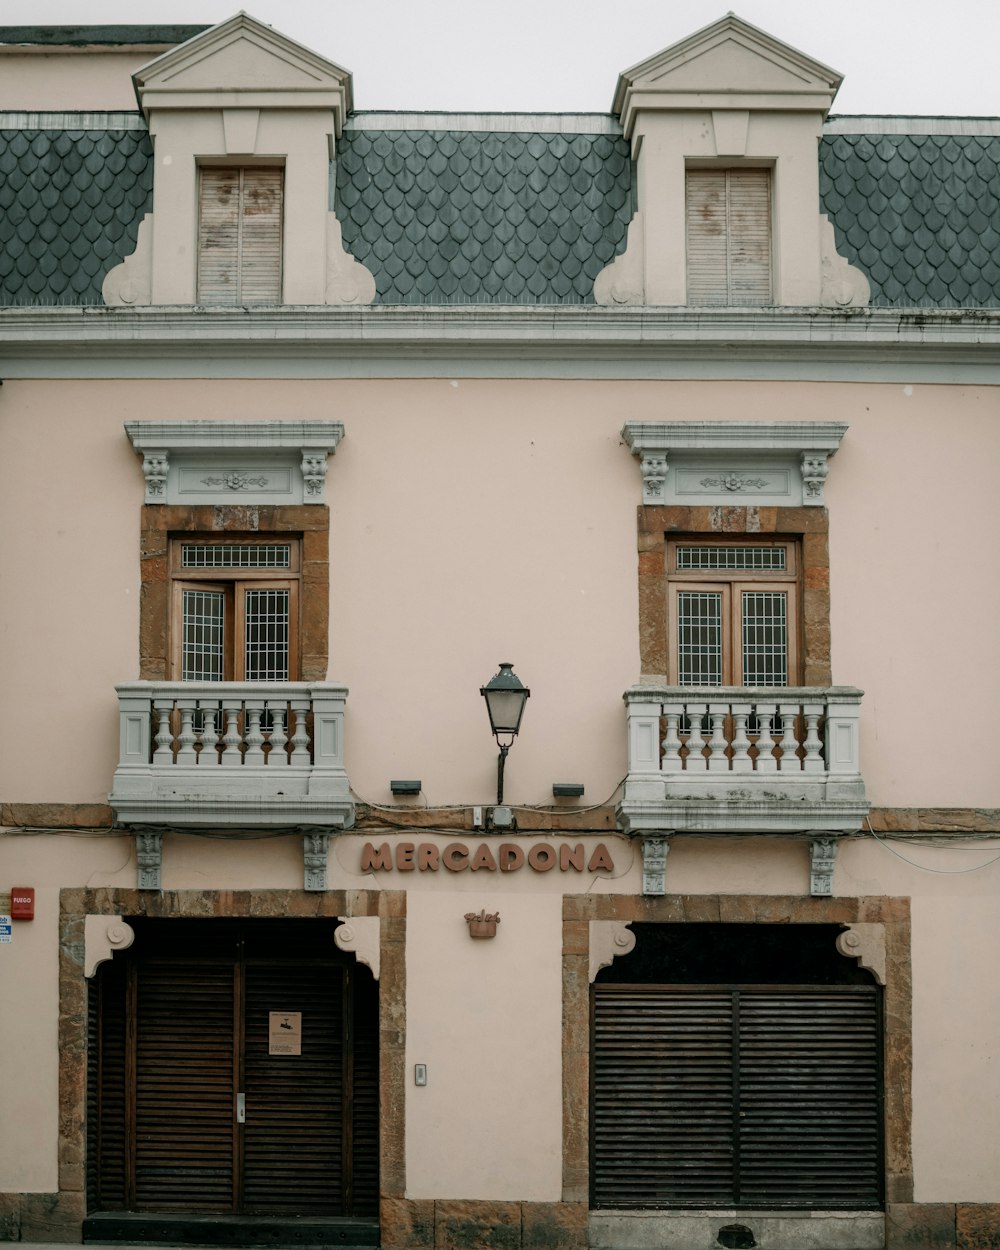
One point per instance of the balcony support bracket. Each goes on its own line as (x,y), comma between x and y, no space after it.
(314,855)
(654,866)
(822,860)
(149,857)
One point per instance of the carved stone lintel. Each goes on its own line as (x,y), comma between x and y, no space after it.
(866,944)
(608,940)
(314,475)
(654,865)
(735,482)
(102,936)
(814,471)
(149,856)
(654,476)
(155,465)
(236,480)
(361,936)
(822,858)
(314,855)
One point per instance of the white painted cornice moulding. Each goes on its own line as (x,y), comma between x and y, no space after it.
(591,340)
(766,463)
(276,462)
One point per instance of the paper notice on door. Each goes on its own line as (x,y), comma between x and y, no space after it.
(284,1033)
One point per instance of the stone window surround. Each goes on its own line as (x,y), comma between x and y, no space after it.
(160,522)
(579,911)
(809,525)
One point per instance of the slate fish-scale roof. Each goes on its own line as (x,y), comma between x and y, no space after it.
(919,214)
(504,217)
(440,217)
(70,206)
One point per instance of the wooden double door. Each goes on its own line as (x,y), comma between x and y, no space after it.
(233,1069)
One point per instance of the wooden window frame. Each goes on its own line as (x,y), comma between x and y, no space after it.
(731,589)
(232,582)
(309,524)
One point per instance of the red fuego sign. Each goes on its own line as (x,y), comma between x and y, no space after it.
(22,902)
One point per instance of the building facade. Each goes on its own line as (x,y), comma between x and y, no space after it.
(308,417)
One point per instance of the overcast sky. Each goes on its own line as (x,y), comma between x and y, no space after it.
(897,56)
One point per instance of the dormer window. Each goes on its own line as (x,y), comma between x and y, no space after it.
(239,235)
(728,215)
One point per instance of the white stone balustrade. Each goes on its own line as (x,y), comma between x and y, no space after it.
(232,754)
(732,759)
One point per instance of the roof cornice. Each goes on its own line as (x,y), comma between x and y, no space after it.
(591,341)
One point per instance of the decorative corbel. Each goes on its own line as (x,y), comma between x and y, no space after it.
(866,944)
(102,936)
(149,856)
(361,936)
(654,865)
(155,465)
(822,858)
(654,476)
(608,940)
(815,467)
(314,466)
(315,847)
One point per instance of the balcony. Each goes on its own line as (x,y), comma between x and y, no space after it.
(232,755)
(728,759)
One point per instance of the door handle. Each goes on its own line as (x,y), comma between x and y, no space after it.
(241,1108)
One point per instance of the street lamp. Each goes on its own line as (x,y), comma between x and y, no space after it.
(505,698)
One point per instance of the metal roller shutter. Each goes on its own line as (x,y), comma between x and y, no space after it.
(735,1096)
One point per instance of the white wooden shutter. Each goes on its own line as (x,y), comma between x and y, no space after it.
(728,236)
(239,236)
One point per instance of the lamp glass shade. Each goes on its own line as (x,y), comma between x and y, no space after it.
(505,698)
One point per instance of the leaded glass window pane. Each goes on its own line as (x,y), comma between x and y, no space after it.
(235,555)
(738,558)
(699,638)
(765,638)
(203,634)
(266,651)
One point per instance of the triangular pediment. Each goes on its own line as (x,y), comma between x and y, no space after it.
(243,63)
(727,64)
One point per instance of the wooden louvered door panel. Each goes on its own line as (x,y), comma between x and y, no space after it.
(179,1029)
(296,1137)
(185,1148)
(728,214)
(735,1096)
(809,1098)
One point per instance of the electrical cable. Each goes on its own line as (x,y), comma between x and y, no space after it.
(923,867)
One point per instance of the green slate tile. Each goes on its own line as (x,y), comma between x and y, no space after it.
(487,217)
(70,206)
(917,213)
